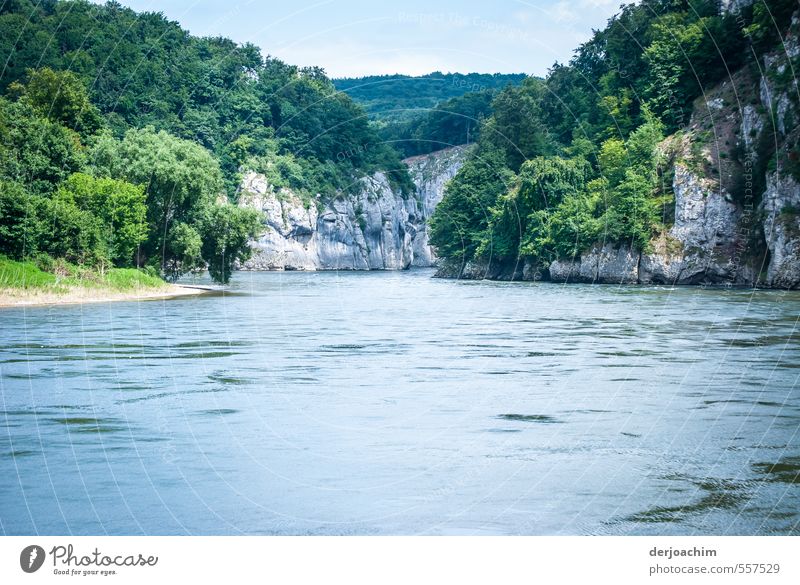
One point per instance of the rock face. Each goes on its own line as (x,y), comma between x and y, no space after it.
(601,264)
(781,205)
(430,173)
(375,229)
(701,247)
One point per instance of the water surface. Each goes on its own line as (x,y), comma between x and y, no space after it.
(393,403)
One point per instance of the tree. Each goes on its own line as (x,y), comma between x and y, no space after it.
(226,232)
(17,221)
(183,251)
(120,211)
(66,231)
(34,151)
(517,126)
(180,179)
(632,214)
(459,223)
(524,213)
(144,70)
(61,97)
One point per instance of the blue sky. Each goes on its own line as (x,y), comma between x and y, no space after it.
(413,37)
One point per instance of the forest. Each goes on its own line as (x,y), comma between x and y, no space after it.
(122,138)
(418,115)
(398,97)
(573,159)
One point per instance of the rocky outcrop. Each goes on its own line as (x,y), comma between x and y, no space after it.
(781,205)
(377,228)
(734,6)
(714,221)
(430,173)
(604,264)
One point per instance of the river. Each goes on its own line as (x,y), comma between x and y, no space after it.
(394,403)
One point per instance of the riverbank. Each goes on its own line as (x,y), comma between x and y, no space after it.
(27,298)
(25,284)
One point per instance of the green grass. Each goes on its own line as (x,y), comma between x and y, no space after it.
(131,278)
(24,275)
(28,276)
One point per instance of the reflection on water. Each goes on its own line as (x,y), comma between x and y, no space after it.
(787,470)
(393,403)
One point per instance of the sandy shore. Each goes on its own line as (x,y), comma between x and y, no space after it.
(10,297)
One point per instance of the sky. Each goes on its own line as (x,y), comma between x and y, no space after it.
(350,38)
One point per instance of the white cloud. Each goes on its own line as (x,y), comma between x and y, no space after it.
(347,58)
(562,12)
(600,3)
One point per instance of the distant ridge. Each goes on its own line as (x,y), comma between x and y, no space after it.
(394,98)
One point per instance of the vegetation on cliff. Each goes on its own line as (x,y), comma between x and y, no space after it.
(575,159)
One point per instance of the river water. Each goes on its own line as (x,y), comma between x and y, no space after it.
(394,403)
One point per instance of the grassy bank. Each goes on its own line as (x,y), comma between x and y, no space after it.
(25,283)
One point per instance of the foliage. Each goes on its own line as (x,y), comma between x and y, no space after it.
(143,70)
(770,19)
(118,209)
(226,231)
(61,97)
(134,201)
(400,98)
(541,186)
(180,178)
(516,127)
(182,251)
(34,151)
(555,206)
(452,122)
(458,227)
(16,220)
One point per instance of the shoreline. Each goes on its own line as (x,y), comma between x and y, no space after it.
(14,298)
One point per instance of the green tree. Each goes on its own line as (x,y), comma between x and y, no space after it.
(226,232)
(66,231)
(180,179)
(632,214)
(120,211)
(541,186)
(61,97)
(34,151)
(17,221)
(458,226)
(517,127)
(183,251)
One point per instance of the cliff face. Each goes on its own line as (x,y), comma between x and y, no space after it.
(735,171)
(374,229)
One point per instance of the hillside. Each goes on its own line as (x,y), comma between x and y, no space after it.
(394,98)
(672,159)
(124,138)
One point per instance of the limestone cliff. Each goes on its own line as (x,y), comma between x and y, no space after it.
(376,228)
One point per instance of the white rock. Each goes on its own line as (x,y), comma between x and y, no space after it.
(375,229)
